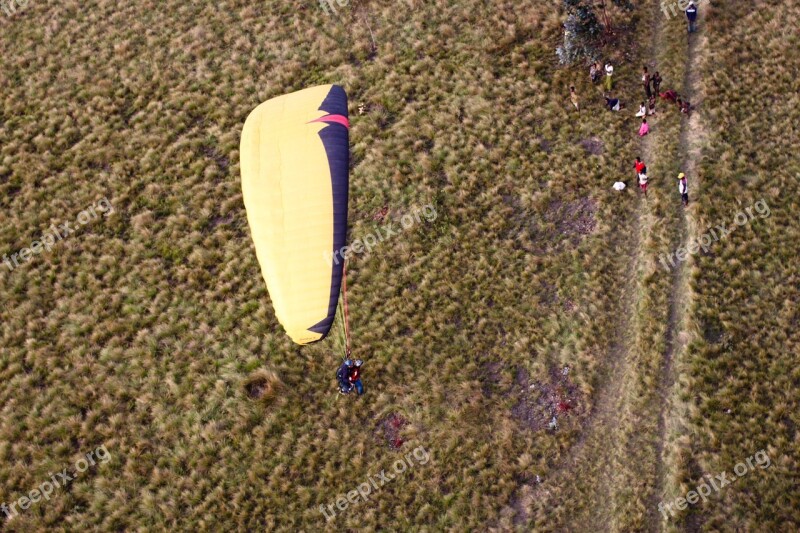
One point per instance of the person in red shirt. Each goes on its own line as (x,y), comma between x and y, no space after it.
(640,167)
(669,95)
(355,376)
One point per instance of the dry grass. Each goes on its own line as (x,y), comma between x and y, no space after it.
(738,387)
(150,331)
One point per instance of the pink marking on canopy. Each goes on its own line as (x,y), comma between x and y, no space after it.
(338,119)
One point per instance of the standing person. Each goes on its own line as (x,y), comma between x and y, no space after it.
(644,129)
(608,81)
(646,82)
(691,15)
(643,183)
(595,71)
(574,97)
(639,166)
(343,376)
(651,110)
(656,82)
(683,188)
(354,377)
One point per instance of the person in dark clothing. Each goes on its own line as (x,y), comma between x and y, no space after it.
(691,15)
(613,104)
(646,82)
(354,377)
(656,82)
(683,188)
(595,72)
(343,376)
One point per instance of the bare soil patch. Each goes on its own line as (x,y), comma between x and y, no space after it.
(593,145)
(542,405)
(390,428)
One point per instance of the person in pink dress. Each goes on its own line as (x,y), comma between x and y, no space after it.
(644,129)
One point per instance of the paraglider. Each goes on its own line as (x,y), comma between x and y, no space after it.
(294,165)
(295,162)
(343,376)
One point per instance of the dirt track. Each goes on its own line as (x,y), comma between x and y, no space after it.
(691,139)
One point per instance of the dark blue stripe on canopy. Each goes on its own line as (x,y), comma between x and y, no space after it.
(336,139)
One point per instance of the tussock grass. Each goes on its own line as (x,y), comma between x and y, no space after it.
(739,372)
(151,331)
(263,385)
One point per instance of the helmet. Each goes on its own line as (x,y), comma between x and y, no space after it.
(359,362)
(681,175)
(348,362)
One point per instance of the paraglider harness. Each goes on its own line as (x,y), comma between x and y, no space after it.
(349,373)
(349,376)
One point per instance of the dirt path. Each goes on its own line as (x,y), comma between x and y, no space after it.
(600,451)
(596,454)
(691,138)
(605,431)
(593,454)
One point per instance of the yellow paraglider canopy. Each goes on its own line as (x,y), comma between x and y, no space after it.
(294,164)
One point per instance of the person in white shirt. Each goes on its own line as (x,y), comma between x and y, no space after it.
(683,188)
(643,183)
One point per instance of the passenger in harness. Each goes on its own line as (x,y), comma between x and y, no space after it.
(355,377)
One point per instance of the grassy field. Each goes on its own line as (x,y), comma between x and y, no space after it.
(737,392)
(147,336)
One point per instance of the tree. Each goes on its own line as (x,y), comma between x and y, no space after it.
(624,4)
(582,32)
